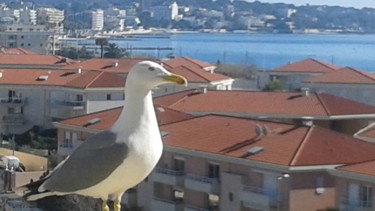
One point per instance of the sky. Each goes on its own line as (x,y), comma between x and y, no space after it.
(343,3)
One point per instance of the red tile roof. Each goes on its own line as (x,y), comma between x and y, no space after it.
(109,117)
(345,75)
(366,168)
(85,79)
(191,69)
(15,51)
(104,64)
(33,59)
(308,66)
(264,103)
(284,145)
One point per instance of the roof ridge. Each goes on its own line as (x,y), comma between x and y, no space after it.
(96,78)
(324,64)
(298,150)
(322,103)
(196,73)
(357,163)
(362,73)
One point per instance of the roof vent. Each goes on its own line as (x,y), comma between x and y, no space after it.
(115,64)
(203,89)
(254,150)
(1,73)
(79,70)
(42,78)
(94,121)
(261,130)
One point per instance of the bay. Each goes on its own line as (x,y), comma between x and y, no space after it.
(266,51)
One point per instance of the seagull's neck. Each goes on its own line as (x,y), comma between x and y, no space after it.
(138,112)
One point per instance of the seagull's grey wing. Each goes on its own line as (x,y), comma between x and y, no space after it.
(93,161)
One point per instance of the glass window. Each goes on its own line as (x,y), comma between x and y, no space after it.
(213,170)
(178,164)
(365,196)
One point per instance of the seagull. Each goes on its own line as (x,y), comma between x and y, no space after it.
(107,164)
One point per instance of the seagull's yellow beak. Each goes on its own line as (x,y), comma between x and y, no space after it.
(174,78)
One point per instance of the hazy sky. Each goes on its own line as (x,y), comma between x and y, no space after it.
(344,3)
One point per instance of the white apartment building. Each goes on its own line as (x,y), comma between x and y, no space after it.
(97,20)
(52,17)
(38,97)
(174,11)
(36,38)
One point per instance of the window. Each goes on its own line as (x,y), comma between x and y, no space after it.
(109,96)
(213,170)
(178,164)
(68,139)
(22,37)
(79,98)
(28,44)
(365,196)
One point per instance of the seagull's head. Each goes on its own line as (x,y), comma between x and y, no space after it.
(148,74)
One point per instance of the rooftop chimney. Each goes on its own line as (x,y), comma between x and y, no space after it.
(79,70)
(115,64)
(1,73)
(203,89)
(305,91)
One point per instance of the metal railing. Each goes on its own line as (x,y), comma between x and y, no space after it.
(252,189)
(358,204)
(68,103)
(203,179)
(170,172)
(13,100)
(13,118)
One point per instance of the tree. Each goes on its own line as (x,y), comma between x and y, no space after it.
(113,51)
(102,41)
(273,86)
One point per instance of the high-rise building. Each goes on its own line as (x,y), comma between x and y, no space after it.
(51,17)
(97,20)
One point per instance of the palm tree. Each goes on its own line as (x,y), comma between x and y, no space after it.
(102,42)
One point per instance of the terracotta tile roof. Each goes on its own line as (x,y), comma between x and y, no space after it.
(33,59)
(187,62)
(366,168)
(190,68)
(308,66)
(105,64)
(15,51)
(345,75)
(85,79)
(368,132)
(264,103)
(109,117)
(284,145)
(193,70)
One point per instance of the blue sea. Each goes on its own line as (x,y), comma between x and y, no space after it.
(266,51)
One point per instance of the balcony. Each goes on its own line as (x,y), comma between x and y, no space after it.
(168,176)
(13,100)
(75,105)
(253,197)
(203,184)
(13,119)
(193,208)
(347,205)
(67,149)
(167,205)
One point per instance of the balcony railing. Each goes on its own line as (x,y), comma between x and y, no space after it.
(202,183)
(13,119)
(167,205)
(168,176)
(193,208)
(359,205)
(67,103)
(254,197)
(13,100)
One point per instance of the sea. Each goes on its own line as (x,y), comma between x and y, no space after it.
(265,51)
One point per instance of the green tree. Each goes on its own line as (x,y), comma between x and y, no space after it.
(113,51)
(273,86)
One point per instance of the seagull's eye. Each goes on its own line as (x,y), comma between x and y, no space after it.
(151,68)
